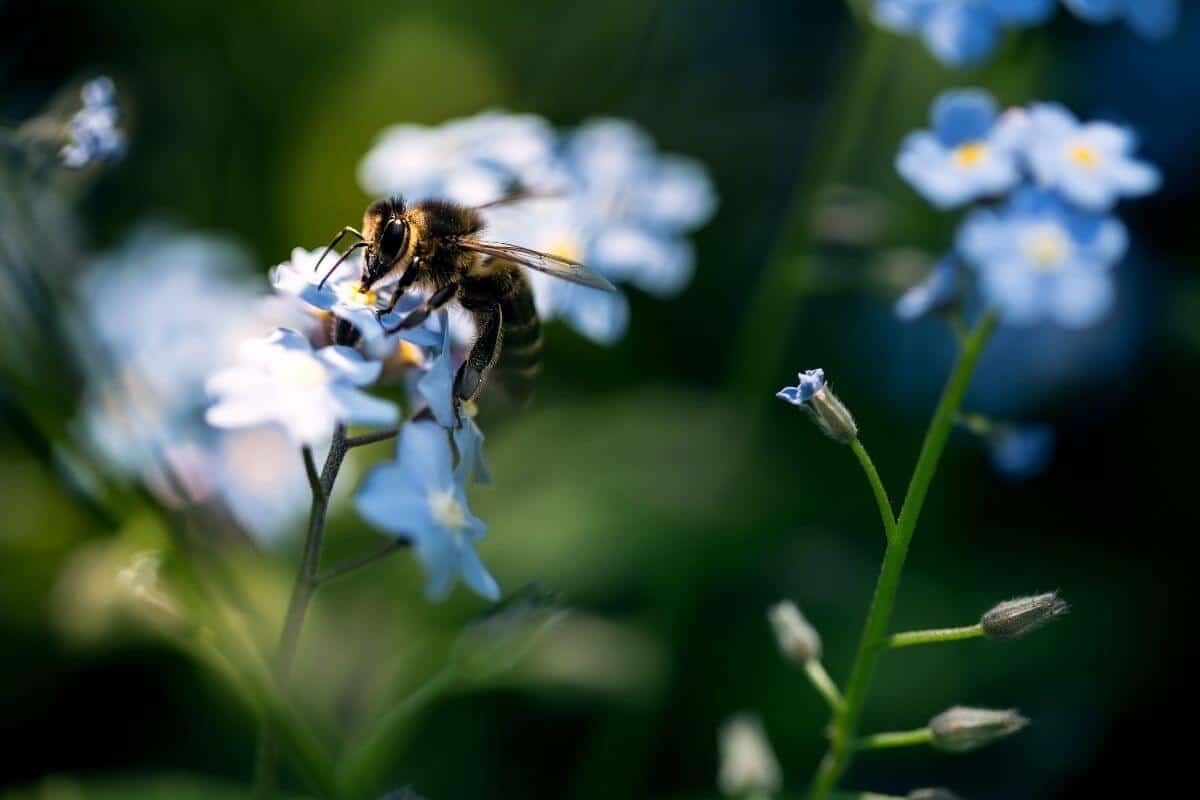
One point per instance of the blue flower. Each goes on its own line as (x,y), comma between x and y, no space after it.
(1089,164)
(1021,451)
(281,381)
(961,159)
(960,33)
(938,292)
(1038,258)
(809,383)
(92,133)
(419,498)
(1154,19)
(468,441)
(436,386)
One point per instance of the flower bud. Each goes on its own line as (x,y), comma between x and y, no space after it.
(797,639)
(932,794)
(748,765)
(813,394)
(1014,618)
(497,642)
(962,729)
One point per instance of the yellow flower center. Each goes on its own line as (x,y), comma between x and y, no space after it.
(1084,155)
(352,294)
(447,510)
(301,371)
(970,154)
(1047,246)
(566,245)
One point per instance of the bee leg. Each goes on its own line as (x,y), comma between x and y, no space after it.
(401,286)
(418,315)
(333,244)
(484,354)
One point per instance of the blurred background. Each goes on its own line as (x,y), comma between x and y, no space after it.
(636,484)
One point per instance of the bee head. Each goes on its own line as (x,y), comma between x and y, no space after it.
(387,231)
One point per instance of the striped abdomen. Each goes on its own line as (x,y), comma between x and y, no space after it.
(521,343)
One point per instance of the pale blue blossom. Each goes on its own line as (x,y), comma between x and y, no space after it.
(1038,258)
(419,498)
(93,134)
(938,292)
(808,384)
(1090,164)
(436,386)
(280,380)
(960,33)
(961,159)
(1154,19)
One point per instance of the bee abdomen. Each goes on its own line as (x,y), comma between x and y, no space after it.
(521,353)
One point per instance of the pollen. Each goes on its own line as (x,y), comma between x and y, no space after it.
(970,154)
(352,294)
(446,509)
(1084,155)
(566,245)
(1047,247)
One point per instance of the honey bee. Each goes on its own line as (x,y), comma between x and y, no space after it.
(433,245)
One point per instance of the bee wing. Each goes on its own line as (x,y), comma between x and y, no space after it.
(521,196)
(563,268)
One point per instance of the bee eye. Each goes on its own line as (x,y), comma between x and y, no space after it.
(395,236)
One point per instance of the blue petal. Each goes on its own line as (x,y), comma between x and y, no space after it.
(790,394)
(475,574)
(1097,10)
(392,500)
(437,384)
(348,363)
(1023,12)
(468,439)
(962,36)
(424,449)
(966,115)
(1154,19)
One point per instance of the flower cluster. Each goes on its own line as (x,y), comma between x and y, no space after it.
(92,132)
(963,33)
(607,199)
(1043,241)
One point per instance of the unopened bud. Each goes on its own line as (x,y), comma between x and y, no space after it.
(748,765)
(797,639)
(813,394)
(1014,618)
(932,794)
(962,729)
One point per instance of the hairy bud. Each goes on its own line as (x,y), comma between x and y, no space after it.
(1014,618)
(813,394)
(962,729)
(797,639)
(748,765)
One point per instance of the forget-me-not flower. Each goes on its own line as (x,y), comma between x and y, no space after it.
(960,33)
(419,498)
(808,384)
(961,159)
(92,132)
(281,381)
(1038,258)
(938,292)
(1154,19)
(1091,164)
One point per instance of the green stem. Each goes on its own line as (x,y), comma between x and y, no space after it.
(355,564)
(771,309)
(891,739)
(874,636)
(881,496)
(824,684)
(367,758)
(936,636)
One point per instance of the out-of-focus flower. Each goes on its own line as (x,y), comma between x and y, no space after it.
(1038,258)
(748,765)
(419,498)
(617,205)
(1154,19)
(261,479)
(92,132)
(468,441)
(281,381)
(471,161)
(938,292)
(1021,451)
(960,33)
(812,393)
(961,158)
(1090,164)
(962,729)
(797,639)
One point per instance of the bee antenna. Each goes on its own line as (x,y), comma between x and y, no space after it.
(337,238)
(338,263)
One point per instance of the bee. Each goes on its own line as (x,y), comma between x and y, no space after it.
(434,245)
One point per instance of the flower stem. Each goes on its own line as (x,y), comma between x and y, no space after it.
(771,309)
(886,741)
(824,684)
(937,636)
(881,496)
(874,636)
(355,564)
(372,438)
